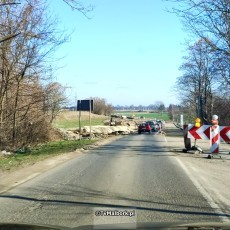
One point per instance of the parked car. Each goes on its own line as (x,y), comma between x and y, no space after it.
(152,125)
(144,127)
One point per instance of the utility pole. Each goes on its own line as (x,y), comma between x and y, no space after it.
(75,107)
(199,106)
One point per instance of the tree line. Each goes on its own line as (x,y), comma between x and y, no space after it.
(100,106)
(29,98)
(157,106)
(204,85)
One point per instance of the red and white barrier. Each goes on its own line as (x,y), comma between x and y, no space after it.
(187,141)
(215,139)
(214,133)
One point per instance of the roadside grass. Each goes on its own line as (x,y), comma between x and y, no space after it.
(70,119)
(67,124)
(41,152)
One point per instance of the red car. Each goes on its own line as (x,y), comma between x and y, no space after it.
(144,127)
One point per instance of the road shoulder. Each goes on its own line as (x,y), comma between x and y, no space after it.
(210,176)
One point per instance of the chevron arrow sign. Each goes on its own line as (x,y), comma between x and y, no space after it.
(225,133)
(202,132)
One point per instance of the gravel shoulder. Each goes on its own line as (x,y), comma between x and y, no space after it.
(210,176)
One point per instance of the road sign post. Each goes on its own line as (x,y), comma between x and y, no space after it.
(85,105)
(90,127)
(80,123)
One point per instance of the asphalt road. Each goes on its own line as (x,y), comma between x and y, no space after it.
(135,175)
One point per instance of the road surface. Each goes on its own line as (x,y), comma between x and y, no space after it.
(134,175)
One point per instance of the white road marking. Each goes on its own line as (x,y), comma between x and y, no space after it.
(223,199)
(205,194)
(194,169)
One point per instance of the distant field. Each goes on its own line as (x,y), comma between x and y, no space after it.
(70,119)
(162,116)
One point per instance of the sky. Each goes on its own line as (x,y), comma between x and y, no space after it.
(128,52)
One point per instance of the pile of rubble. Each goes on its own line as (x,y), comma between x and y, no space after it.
(5,153)
(115,127)
(69,134)
(108,130)
(120,122)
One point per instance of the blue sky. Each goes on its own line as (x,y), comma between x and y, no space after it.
(129,51)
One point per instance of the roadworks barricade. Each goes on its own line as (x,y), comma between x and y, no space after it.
(206,132)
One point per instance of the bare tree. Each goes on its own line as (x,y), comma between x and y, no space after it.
(54,100)
(198,84)
(210,21)
(222,108)
(76,5)
(101,107)
(24,64)
(173,111)
(159,105)
(28,39)
(109,109)
(207,19)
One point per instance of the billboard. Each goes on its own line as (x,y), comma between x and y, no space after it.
(84,105)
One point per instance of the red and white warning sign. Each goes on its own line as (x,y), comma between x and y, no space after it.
(214,133)
(225,133)
(202,132)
